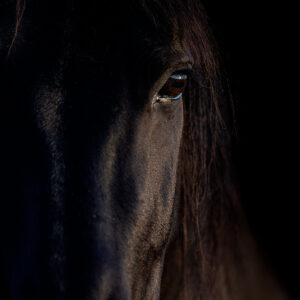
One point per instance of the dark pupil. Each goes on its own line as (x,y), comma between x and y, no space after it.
(173,87)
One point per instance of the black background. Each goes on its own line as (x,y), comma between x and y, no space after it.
(256,41)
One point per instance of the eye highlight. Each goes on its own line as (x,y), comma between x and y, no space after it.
(173,88)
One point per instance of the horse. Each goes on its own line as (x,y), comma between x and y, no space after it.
(116,172)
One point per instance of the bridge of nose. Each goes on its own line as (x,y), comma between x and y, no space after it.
(107,229)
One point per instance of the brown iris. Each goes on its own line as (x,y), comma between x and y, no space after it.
(173,88)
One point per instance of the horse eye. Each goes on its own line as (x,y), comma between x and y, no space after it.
(173,88)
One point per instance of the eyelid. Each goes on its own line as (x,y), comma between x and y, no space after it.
(176,69)
(179,76)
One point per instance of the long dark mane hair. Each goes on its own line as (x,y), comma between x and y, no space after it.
(209,210)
